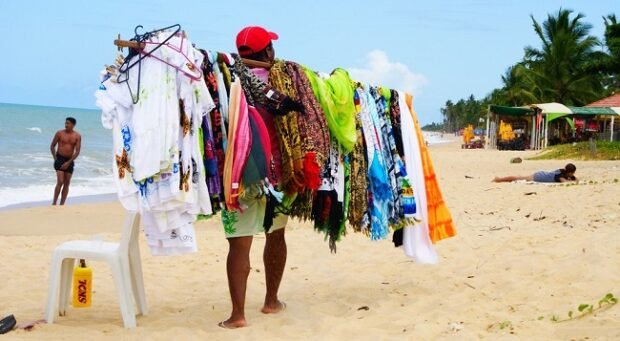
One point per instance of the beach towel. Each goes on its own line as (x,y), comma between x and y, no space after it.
(257,166)
(336,97)
(358,206)
(239,144)
(313,130)
(440,223)
(391,157)
(292,180)
(417,242)
(378,178)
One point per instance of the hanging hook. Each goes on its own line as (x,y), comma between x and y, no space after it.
(135,30)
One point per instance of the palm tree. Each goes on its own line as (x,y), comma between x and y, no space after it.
(519,87)
(473,111)
(558,68)
(612,41)
(449,116)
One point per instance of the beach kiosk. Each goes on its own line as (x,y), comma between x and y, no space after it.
(613,104)
(549,112)
(520,119)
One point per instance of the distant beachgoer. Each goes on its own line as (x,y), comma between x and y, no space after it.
(69,143)
(565,174)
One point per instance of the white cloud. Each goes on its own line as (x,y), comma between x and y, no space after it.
(380,71)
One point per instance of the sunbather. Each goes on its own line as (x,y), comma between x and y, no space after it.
(565,174)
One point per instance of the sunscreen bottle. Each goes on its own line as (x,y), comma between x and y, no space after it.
(82,285)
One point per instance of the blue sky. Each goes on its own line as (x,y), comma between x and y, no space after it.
(52,51)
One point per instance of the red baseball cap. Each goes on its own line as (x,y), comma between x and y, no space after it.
(254,39)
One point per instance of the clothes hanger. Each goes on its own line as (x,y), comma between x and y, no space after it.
(142,39)
(136,49)
(191,65)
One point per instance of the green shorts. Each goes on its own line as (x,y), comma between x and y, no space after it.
(250,221)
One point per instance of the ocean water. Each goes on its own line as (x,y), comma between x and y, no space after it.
(432,137)
(26,164)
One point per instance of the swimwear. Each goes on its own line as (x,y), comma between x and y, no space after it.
(543,176)
(60,160)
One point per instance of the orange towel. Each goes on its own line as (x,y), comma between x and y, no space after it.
(440,225)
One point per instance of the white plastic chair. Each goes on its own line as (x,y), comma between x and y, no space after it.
(124,259)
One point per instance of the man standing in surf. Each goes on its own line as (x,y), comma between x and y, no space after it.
(69,142)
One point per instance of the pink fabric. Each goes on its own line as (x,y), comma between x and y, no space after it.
(263,135)
(263,75)
(241,145)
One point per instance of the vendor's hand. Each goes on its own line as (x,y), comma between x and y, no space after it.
(65,166)
(292,105)
(287,105)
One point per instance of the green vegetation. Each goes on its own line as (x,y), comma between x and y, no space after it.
(604,150)
(585,309)
(463,112)
(504,325)
(433,127)
(570,67)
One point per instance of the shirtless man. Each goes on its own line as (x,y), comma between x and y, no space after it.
(69,142)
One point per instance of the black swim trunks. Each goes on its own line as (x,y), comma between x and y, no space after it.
(60,160)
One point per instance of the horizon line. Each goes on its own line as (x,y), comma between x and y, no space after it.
(50,106)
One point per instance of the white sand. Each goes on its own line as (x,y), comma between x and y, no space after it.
(516,257)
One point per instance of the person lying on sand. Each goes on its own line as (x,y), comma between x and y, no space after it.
(565,174)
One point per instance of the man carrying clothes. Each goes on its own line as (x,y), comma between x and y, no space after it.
(255,43)
(69,142)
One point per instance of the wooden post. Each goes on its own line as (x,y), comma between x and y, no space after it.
(533,133)
(546,127)
(140,46)
(487,141)
(611,129)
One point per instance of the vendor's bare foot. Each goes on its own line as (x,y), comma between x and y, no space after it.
(232,324)
(273,308)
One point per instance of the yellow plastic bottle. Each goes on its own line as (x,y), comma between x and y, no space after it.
(82,286)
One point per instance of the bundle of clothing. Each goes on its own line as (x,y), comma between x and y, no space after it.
(190,139)
(154,102)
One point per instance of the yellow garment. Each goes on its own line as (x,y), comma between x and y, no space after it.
(440,225)
(468,134)
(505,131)
(288,133)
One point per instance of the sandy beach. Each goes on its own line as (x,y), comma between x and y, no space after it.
(523,253)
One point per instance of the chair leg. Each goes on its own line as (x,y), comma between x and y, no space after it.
(137,281)
(123,290)
(66,276)
(51,308)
